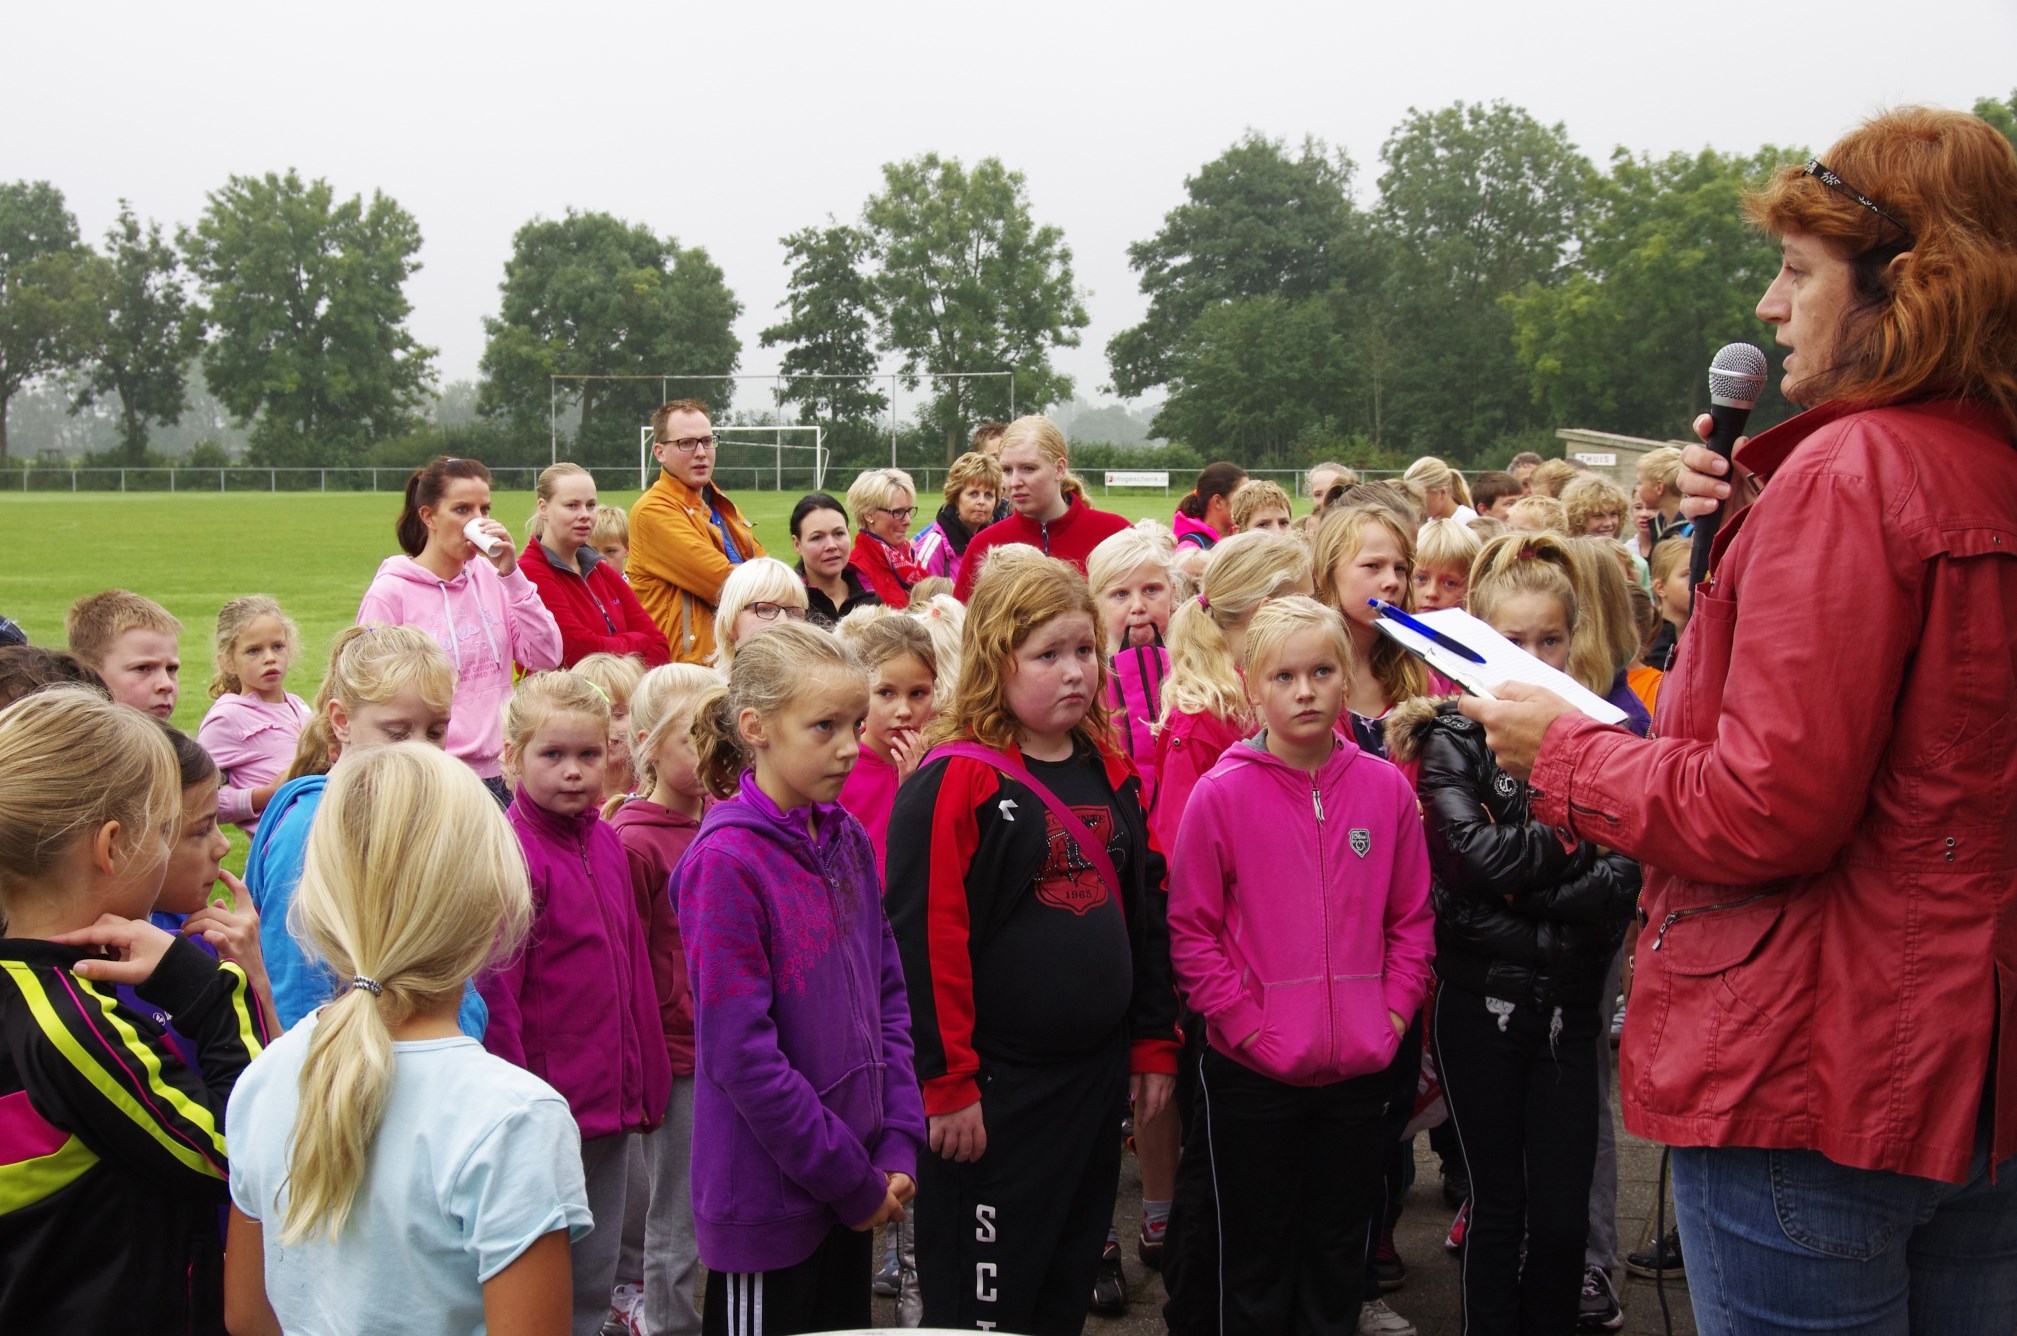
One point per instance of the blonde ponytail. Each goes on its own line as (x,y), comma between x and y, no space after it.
(1243,572)
(413,881)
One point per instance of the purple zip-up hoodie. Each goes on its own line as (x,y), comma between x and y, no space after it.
(805,1098)
(576,1006)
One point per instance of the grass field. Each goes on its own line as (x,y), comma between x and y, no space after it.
(194,551)
(316,553)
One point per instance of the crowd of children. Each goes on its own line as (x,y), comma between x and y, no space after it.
(547,988)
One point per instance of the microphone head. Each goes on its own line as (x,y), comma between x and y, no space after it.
(1737,376)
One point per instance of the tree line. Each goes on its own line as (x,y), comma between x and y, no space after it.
(1499,285)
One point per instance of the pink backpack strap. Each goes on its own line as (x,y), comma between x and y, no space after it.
(1074,828)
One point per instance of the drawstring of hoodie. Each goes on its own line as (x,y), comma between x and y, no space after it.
(454,640)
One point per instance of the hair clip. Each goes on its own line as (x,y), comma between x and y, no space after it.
(597,689)
(371,986)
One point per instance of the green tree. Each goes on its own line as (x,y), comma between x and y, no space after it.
(306,295)
(2002,115)
(589,294)
(134,330)
(1252,376)
(1255,223)
(39,269)
(1476,202)
(829,331)
(1667,271)
(968,281)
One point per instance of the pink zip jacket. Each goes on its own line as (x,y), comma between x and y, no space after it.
(484,621)
(1299,912)
(253,743)
(576,1005)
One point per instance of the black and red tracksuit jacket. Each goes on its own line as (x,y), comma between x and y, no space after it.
(966,846)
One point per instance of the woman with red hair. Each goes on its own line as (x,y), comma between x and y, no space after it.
(1824,1014)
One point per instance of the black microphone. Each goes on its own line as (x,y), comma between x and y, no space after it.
(1736,379)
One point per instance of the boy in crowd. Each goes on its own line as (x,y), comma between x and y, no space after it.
(131,642)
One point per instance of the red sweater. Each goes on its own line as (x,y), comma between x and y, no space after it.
(1071,537)
(598,614)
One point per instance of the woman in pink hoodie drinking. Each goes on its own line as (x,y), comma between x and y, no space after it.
(1306,950)
(479,605)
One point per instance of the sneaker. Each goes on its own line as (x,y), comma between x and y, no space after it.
(626,1311)
(1389,1271)
(1149,1247)
(1110,1287)
(1663,1257)
(1376,1319)
(1456,1184)
(886,1276)
(1600,1310)
(1454,1241)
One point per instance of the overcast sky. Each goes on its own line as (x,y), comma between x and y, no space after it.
(729,125)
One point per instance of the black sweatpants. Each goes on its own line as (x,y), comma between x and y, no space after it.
(1521,1081)
(1273,1194)
(1397,1161)
(828,1291)
(1010,1242)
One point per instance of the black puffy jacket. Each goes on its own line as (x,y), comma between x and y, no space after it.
(1520,916)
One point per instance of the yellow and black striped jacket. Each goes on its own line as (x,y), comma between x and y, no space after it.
(112,1164)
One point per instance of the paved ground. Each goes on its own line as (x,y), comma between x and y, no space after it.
(1429,1298)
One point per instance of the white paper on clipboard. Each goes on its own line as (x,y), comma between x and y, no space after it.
(1504,661)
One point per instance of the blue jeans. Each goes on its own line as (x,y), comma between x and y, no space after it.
(1788,1240)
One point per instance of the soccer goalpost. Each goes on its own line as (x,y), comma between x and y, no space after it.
(729,435)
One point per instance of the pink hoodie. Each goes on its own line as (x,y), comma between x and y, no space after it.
(1299,912)
(253,743)
(484,621)
(869,796)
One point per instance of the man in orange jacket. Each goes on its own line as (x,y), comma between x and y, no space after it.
(685,536)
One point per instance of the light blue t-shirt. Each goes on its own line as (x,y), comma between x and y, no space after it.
(475,1162)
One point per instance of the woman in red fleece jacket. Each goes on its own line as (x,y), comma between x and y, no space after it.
(587,596)
(1048,499)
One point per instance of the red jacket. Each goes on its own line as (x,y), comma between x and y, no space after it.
(886,569)
(1828,806)
(1071,537)
(597,614)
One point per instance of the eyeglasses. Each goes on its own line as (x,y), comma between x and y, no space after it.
(903,514)
(769,611)
(686,445)
(1820,172)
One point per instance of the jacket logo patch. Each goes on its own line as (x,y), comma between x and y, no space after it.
(1068,880)
(1362,840)
(1505,784)
(1008,809)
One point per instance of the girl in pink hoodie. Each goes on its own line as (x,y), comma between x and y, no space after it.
(1306,950)
(255,725)
(902,668)
(479,606)
(656,827)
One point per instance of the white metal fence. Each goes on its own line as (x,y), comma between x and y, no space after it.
(240,478)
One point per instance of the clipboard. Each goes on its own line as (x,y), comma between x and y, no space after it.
(1504,661)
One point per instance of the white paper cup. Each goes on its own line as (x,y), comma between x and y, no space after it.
(486,543)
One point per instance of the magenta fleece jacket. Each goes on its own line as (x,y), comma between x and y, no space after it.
(576,1006)
(1299,912)
(484,621)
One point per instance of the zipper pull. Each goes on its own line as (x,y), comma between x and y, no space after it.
(1317,801)
(1665,924)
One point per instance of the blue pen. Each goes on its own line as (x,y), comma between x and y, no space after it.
(1420,628)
